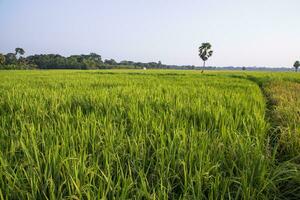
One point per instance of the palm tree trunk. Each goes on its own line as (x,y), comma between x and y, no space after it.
(203,64)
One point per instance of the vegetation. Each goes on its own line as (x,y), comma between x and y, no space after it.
(296,65)
(56,61)
(285,99)
(17,60)
(19,51)
(205,52)
(145,135)
(2,59)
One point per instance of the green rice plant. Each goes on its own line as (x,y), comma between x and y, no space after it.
(285,99)
(130,134)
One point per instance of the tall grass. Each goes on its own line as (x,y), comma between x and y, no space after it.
(134,135)
(285,99)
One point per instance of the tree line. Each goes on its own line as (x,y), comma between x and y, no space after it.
(16,60)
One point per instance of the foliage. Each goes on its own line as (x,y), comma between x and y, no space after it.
(120,134)
(2,59)
(297,65)
(56,61)
(90,61)
(285,98)
(110,62)
(19,51)
(11,59)
(205,52)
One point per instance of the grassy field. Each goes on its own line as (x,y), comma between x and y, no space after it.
(131,134)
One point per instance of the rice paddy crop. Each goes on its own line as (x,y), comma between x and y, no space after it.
(285,99)
(136,135)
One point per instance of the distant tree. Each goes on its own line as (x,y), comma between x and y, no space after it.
(110,62)
(73,62)
(243,68)
(205,52)
(95,57)
(22,61)
(139,65)
(10,58)
(2,59)
(296,65)
(152,65)
(159,64)
(126,62)
(19,51)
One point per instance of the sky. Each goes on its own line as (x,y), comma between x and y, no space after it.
(242,32)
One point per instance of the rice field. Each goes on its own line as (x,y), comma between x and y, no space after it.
(164,134)
(285,98)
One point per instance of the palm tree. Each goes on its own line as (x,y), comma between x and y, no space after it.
(19,51)
(296,65)
(205,52)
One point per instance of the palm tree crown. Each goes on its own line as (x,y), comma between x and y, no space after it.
(205,52)
(297,65)
(19,51)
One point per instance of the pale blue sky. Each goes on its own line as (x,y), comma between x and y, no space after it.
(242,32)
